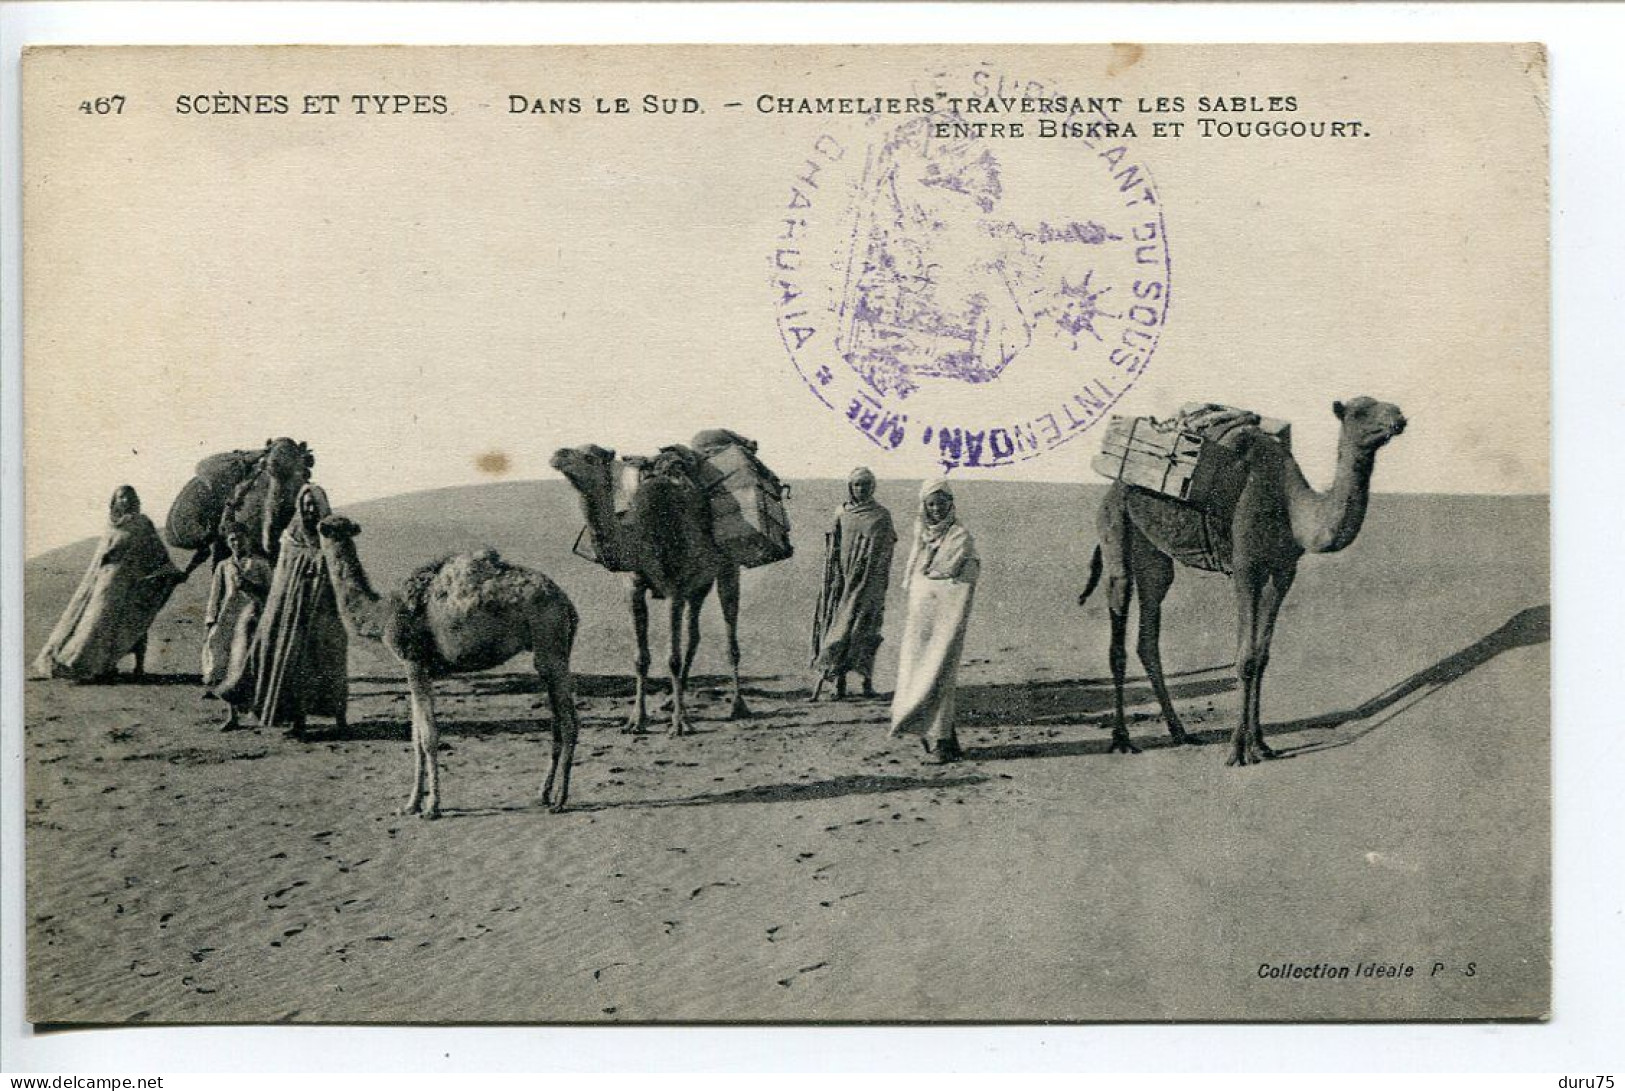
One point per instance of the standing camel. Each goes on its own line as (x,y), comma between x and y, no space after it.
(469,612)
(664,543)
(1276,519)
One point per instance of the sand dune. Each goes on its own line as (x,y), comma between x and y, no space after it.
(800,865)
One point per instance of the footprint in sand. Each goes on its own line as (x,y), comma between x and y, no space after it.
(786,981)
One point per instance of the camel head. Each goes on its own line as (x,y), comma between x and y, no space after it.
(1368,423)
(286,466)
(337,528)
(586,467)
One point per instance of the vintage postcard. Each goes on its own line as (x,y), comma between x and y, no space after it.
(786,534)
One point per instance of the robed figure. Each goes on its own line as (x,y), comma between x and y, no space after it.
(857,571)
(129,579)
(942,571)
(300,646)
(237,596)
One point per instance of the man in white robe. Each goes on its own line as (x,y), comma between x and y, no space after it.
(942,572)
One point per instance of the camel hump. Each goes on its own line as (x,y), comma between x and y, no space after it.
(712,440)
(461,581)
(671,516)
(675,460)
(1231,427)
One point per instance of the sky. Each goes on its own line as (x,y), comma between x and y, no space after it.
(423,299)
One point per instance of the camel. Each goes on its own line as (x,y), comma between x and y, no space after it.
(665,546)
(468,612)
(1274,521)
(253,489)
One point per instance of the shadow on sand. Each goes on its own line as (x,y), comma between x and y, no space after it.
(1019,704)
(1524,629)
(1075,700)
(1090,700)
(620,686)
(400,730)
(834,788)
(126,678)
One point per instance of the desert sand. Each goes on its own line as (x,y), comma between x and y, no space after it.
(800,865)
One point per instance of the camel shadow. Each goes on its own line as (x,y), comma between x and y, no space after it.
(124,678)
(1074,748)
(1089,701)
(618,686)
(834,788)
(1526,628)
(1074,701)
(401,730)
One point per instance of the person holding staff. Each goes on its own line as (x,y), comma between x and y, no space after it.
(942,572)
(857,572)
(129,579)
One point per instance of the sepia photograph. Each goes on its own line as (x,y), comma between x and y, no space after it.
(782,535)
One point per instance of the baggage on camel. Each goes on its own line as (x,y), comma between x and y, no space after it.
(194,517)
(1198,458)
(748,518)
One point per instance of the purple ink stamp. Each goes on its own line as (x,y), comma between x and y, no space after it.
(988,291)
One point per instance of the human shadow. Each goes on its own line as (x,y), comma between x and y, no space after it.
(1526,628)
(834,788)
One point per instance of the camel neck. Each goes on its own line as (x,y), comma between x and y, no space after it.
(597,504)
(360,606)
(1329,521)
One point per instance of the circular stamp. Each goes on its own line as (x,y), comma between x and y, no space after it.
(984,274)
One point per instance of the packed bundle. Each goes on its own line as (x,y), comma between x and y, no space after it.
(1198,456)
(748,516)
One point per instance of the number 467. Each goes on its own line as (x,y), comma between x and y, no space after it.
(112,104)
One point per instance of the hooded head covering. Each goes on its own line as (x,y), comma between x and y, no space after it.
(929,531)
(860,476)
(298,532)
(124,504)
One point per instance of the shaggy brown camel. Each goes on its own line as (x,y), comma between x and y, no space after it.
(1276,519)
(664,543)
(466,613)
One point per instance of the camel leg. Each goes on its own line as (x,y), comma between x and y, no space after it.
(428,734)
(140,657)
(818,686)
(1119,593)
(674,663)
(1249,590)
(728,597)
(638,598)
(1269,608)
(695,606)
(1115,555)
(1153,576)
(417,684)
(561,698)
